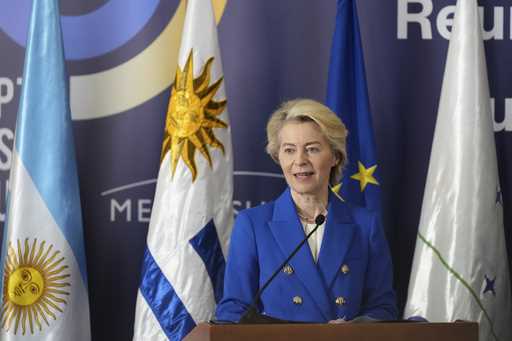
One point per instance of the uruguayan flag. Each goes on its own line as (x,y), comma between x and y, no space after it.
(183,268)
(44,294)
(460,268)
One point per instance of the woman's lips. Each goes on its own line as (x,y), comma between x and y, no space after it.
(303,175)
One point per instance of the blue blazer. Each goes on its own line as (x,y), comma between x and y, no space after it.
(353,276)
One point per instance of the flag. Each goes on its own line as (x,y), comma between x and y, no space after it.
(191,219)
(347,95)
(460,268)
(44,287)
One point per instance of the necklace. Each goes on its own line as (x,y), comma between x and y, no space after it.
(305,218)
(308,219)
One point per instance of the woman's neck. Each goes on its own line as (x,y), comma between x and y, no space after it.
(310,205)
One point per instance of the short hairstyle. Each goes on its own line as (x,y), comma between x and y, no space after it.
(307,110)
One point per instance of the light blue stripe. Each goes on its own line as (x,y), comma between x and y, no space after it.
(44,137)
(5,244)
(173,317)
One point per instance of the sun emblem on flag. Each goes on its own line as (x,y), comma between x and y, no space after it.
(36,281)
(191,116)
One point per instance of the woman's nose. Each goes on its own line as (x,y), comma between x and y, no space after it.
(300,158)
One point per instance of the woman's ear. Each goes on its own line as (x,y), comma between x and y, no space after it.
(337,159)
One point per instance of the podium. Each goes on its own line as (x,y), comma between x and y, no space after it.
(382,331)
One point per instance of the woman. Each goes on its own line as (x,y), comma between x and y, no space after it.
(344,271)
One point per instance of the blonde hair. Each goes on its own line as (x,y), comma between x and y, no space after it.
(307,110)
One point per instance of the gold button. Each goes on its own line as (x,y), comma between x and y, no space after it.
(288,269)
(297,300)
(340,300)
(345,269)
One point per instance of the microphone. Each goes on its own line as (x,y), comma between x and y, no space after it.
(251,316)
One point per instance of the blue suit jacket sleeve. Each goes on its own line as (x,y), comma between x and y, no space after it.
(242,272)
(378,295)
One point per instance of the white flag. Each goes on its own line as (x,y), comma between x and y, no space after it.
(191,220)
(460,268)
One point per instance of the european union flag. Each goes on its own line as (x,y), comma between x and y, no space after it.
(347,95)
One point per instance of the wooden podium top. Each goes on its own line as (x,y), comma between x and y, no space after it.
(396,331)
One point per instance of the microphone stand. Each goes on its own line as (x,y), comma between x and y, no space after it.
(251,315)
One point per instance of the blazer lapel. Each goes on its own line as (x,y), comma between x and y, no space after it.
(288,233)
(338,234)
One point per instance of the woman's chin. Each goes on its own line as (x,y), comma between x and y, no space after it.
(304,189)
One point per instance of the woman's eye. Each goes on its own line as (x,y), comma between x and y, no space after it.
(288,150)
(313,150)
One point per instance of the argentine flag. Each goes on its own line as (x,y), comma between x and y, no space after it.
(44,294)
(191,220)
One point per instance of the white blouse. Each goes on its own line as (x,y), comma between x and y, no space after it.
(315,241)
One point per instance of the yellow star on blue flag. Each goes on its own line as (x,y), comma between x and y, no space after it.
(336,190)
(365,176)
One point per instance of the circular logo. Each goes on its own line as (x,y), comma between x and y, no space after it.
(89,35)
(100,33)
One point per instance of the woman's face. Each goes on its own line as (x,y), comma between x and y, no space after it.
(306,158)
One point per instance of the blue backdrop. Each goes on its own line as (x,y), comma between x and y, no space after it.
(272,51)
